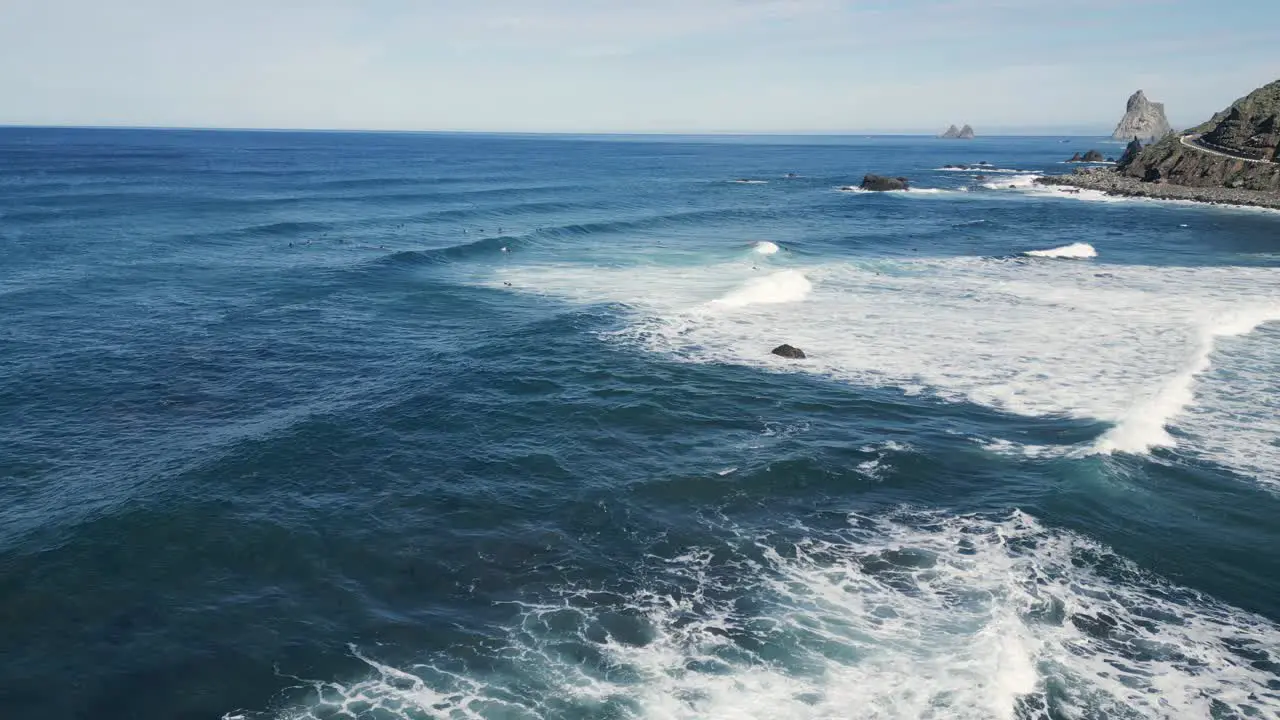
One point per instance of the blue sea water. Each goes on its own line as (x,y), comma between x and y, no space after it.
(322,425)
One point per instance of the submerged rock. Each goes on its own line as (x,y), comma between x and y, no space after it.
(880,183)
(787,351)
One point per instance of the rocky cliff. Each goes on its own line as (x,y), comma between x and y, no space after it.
(954,133)
(1142,119)
(1238,148)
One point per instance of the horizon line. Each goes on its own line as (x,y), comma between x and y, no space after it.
(1031,131)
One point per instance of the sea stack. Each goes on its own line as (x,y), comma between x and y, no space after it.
(1142,119)
(955,133)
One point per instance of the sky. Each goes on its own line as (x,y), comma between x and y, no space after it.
(628,65)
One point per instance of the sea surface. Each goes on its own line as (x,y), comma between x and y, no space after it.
(377,426)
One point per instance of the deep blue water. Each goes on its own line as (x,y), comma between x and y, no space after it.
(429,426)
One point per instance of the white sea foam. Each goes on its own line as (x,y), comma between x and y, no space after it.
(1025,184)
(781,287)
(1074,251)
(1128,346)
(980,170)
(901,616)
(1020,181)
(915,191)
(764,247)
(1143,426)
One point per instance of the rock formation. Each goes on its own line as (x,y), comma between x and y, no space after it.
(879,183)
(1093,156)
(1131,151)
(1142,119)
(1238,148)
(787,351)
(954,133)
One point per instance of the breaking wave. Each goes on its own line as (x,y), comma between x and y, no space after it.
(901,615)
(1073,251)
(780,287)
(1125,347)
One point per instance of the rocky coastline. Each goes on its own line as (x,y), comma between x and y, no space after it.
(1113,182)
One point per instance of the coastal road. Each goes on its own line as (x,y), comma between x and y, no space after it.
(1193,141)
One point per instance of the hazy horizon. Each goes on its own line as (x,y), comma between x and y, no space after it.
(799,67)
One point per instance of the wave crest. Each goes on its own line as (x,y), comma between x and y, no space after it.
(1074,251)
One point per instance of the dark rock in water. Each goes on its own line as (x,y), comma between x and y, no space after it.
(980,178)
(1131,152)
(984,162)
(1111,159)
(1092,156)
(954,133)
(787,351)
(880,183)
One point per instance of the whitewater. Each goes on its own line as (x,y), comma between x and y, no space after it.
(414,426)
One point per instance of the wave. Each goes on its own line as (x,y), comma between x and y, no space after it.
(764,247)
(749,182)
(780,287)
(916,191)
(1040,339)
(1020,181)
(490,246)
(982,170)
(1144,425)
(903,614)
(1075,251)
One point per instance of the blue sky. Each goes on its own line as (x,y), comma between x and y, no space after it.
(628,65)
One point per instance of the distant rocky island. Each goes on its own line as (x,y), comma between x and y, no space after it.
(954,133)
(1233,158)
(1142,119)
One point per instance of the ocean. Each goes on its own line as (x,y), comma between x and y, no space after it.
(379,426)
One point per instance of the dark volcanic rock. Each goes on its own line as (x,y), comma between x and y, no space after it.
(880,183)
(1092,156)
(1131,152)
(787,351)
